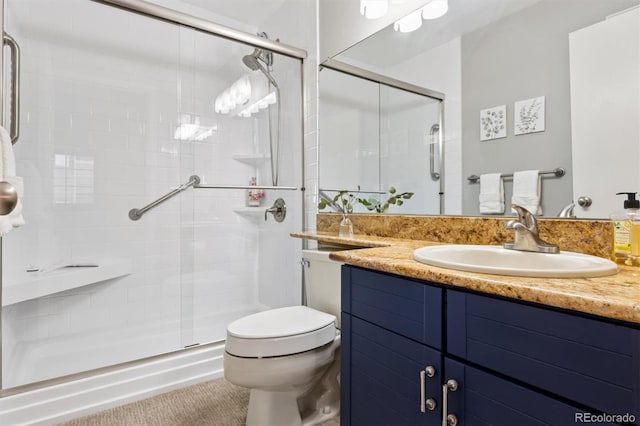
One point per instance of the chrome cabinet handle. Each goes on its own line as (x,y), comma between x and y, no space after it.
(431,404)
(426,404)
(422,391)
(430,370)
(448,419)
(14,130)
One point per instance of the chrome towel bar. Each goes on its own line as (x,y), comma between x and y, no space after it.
(359,191)
(281,188)
(559,172)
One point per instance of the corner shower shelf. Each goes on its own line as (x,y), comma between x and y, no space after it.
(32,285)
(254,160)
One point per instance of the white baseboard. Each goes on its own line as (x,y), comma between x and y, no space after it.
(66,401)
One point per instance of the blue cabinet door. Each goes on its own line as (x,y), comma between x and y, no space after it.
(483,399)
(381,377)
(408,307)
(592,362)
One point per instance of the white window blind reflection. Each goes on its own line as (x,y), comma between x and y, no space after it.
(73,179)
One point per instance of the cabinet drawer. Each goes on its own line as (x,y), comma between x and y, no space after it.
(381,380)
(591,362)
(410,308)
(483,399)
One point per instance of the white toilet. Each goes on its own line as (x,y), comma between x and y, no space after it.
(290,357)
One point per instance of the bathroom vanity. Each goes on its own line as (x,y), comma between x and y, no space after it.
(418,352)
(427,345)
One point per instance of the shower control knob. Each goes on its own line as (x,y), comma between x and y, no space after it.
(278,210)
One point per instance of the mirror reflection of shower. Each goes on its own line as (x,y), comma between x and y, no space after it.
(262,60)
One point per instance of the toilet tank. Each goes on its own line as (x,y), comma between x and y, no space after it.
(322,282)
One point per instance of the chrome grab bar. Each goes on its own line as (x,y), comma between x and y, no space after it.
(194,181)
(558,172)
(135,214)
(14,131)
(432,146)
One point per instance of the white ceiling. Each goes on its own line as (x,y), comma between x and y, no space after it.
(388,47)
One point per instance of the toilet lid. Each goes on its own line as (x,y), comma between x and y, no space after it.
(278,332)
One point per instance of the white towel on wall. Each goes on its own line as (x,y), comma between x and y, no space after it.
(491,196)
(527,190)
(8,174)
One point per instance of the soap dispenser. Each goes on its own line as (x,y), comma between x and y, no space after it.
(634,259)
(622,221)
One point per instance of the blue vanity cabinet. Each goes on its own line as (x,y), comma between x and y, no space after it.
(391,363)
(495,361)
(592,363)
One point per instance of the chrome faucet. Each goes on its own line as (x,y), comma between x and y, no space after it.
(567,211)
(526,233)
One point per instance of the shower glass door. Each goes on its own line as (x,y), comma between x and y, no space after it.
(238,259)
(409,148)
(118,110)
(374,137)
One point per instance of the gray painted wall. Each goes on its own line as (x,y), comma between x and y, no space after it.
(523,56)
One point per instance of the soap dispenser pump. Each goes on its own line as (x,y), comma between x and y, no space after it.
(621,221)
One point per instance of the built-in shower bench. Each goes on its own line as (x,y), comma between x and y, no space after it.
(33,285)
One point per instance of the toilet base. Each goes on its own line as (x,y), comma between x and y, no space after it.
(319,404)
(273,408)
(293,390)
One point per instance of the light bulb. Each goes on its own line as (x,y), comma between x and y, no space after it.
(271,98)
(409,23)
(435,9)
(373,9)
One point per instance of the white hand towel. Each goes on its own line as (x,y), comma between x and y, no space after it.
(8,174)
(491,194)
(527,187)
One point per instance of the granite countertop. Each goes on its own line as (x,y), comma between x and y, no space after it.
(616,296)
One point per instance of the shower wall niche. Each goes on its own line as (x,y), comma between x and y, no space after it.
(117,110)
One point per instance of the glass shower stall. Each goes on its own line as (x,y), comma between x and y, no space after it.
(376,133)
(150,150)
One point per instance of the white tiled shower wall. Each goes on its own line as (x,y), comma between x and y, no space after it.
(102,90)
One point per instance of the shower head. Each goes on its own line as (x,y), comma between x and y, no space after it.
(252,62)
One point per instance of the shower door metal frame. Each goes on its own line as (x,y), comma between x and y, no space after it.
(354,71)
(182,19)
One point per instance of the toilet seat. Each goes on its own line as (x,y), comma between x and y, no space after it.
(280,332)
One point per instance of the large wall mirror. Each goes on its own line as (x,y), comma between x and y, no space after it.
(572,67)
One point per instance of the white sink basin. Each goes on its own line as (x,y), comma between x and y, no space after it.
(500,261)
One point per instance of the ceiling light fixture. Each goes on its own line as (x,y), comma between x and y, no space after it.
(435,9)
(374,9)
(409,23)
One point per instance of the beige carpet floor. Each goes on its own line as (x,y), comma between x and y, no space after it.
(214,403)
